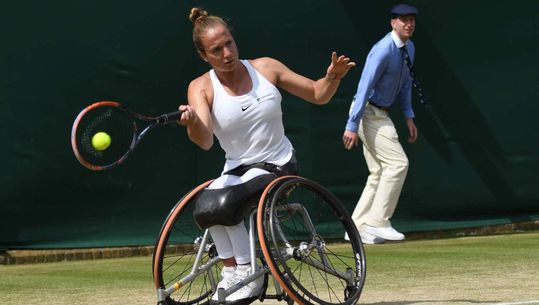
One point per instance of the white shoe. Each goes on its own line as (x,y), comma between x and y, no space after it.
(229,280)
(369,239)
(366,238)
(386,233)
(249,292)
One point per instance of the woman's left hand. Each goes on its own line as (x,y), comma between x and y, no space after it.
(339,66)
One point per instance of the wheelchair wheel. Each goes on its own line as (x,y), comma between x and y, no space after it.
(301,229)
(185,268)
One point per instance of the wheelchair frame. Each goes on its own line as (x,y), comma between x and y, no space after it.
(280,255)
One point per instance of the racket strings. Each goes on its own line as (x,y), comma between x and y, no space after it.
(89,131)
(117,123)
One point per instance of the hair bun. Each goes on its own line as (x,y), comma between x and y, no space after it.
(197,14)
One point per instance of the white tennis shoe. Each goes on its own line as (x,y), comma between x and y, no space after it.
(367,238)
(386,233)
(229,280)
(249,292)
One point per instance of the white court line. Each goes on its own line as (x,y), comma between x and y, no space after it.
(517,303)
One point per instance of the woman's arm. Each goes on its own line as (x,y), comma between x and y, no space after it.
(317,92)
(197,115)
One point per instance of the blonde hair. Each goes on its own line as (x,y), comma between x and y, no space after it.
(202,21)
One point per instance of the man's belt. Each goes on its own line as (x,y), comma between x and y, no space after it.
(379,107)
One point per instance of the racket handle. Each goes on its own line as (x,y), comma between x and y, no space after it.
(169,117)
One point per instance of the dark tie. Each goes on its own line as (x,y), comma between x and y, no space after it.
(415,82)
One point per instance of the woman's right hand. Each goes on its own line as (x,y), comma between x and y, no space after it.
(188,116)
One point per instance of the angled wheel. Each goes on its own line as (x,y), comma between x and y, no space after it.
(185,268)
(301,227)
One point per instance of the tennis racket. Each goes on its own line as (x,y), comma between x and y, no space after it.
(120,130)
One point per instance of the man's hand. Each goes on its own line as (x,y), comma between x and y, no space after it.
(412,130)
(350,139)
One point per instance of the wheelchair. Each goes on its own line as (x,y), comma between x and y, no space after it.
(296,243)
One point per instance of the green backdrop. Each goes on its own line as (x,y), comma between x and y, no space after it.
(475,162)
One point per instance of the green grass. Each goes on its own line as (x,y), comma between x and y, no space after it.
(110,281)
(469,270)
(491,269)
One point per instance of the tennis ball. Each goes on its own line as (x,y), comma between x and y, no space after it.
(101,141)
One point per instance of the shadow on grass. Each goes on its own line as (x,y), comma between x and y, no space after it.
(431,301)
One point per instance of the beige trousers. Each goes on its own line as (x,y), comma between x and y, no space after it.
(388,166)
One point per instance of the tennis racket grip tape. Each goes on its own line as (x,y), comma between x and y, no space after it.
(170,117)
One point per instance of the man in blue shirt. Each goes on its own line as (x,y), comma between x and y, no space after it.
(384,79)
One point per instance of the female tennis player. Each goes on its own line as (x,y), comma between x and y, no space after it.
(238,101)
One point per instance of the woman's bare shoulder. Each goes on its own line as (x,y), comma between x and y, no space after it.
(201,88)
(269,67)
(264,62)
(201,82)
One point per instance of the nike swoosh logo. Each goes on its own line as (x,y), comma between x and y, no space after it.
(243,108)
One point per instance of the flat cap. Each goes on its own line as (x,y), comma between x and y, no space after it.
(402,9)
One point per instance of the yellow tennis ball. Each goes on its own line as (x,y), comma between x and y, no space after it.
(101,141)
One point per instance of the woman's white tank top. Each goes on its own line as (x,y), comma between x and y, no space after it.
(250,127)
